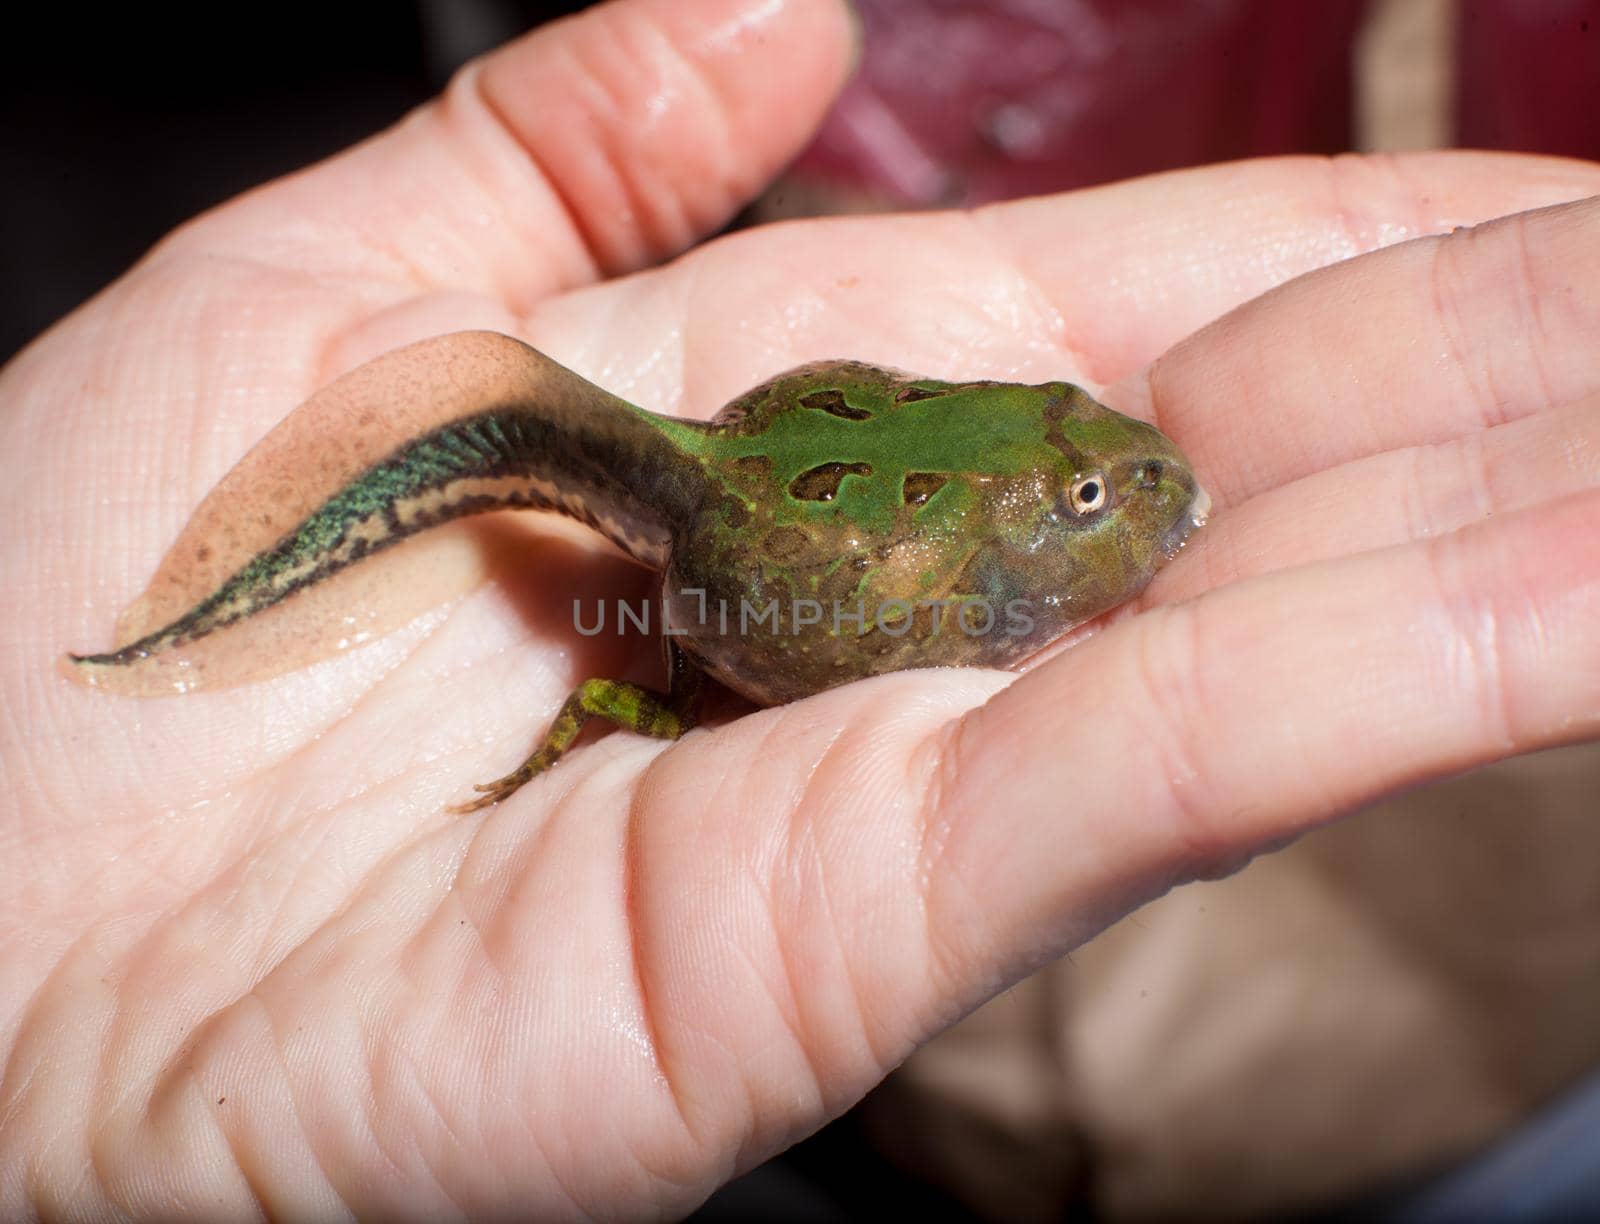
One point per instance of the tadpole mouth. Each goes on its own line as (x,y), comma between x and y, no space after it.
(1190,521)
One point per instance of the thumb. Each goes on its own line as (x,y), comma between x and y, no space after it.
(593,146)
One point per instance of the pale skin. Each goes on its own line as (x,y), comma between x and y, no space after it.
(250,960)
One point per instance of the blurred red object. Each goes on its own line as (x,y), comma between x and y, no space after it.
(962,101)
(1528,76)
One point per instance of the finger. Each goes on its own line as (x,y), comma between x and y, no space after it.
(1090,285)
(592,146)
(1425,342)
(1177,744)
(907,848)
(1413,493)
(1129,269)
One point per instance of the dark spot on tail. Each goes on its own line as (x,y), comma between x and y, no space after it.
(919,486)
(833,401)
(821,483)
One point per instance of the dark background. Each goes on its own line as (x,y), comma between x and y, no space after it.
(117,122)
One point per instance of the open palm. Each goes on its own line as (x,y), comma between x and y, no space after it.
(249,957)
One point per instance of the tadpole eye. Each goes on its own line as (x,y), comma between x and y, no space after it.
(1088,494)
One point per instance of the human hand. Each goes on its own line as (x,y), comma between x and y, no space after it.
(250,958)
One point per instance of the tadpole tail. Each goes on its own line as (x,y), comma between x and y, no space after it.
(518,456)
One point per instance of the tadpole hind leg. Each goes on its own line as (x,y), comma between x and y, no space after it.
(661,715)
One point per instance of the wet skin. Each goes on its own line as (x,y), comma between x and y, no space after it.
(836,522)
